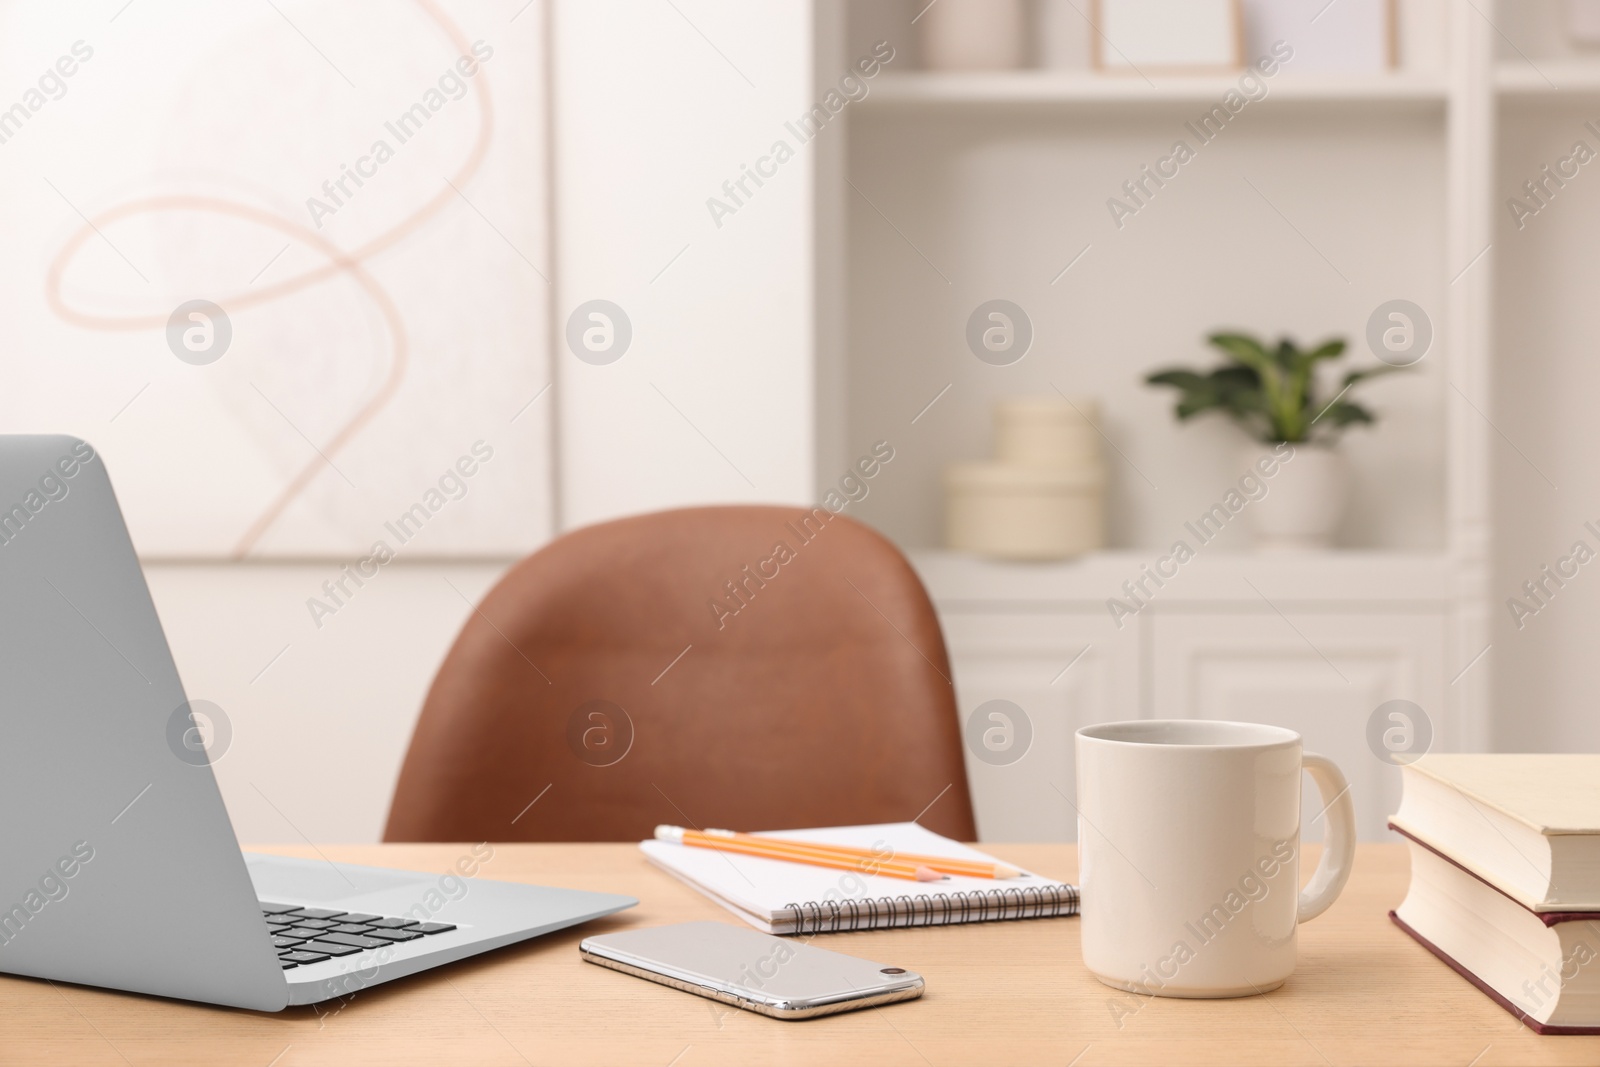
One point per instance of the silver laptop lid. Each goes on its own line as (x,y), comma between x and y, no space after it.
(118,866)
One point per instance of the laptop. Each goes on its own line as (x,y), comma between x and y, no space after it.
(118,865)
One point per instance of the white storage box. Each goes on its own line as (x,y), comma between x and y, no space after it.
(1025,511)
(1046,430)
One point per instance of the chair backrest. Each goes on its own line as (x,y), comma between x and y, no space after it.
(749,668)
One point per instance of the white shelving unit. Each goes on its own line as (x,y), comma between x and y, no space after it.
(1317,203)
(829,314)
(1563,77)
(1012,88)
(1348,630)
(1546,485)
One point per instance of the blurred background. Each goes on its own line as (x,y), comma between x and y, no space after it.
(363,302)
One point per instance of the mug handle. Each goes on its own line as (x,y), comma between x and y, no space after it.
(1339,843)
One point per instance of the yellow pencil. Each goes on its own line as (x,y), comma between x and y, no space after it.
(771,848)
(861,858)
(943,864)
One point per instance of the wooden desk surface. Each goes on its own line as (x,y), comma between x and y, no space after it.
(1000,993)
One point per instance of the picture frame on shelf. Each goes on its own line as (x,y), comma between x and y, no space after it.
(1141,37)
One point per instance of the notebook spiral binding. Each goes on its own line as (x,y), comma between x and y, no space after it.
(940,909)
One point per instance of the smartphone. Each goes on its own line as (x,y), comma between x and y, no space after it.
(776,976)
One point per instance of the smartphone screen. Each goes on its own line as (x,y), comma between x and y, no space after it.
(777,976)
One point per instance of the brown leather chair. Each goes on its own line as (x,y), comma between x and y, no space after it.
(752,668)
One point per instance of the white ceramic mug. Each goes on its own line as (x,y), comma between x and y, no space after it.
(1189,854)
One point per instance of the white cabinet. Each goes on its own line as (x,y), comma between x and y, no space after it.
(1341,634)
(1062,671)
(1321,674)
(964,187)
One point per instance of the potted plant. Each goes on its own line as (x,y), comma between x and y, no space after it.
(1273,395)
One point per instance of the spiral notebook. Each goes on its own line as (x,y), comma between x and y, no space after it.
(794,898)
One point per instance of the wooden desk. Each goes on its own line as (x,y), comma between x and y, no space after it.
(998,993)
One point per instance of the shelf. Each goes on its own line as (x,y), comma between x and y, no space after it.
(1424,580)
(1547,77)
(1082,89)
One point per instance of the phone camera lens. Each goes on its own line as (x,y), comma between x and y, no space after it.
(893,970)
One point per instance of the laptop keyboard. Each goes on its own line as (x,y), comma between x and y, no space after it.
(311,935)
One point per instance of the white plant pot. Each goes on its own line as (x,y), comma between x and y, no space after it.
(1305,499)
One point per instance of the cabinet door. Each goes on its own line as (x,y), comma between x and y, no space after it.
(1321,674)
(1061,671)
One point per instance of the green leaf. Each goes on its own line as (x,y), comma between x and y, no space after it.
(1177,377)
(1331,349)
(1234,373)
(1278,401)
(1287,355)
(1245,349)
(1231,389)
(1371,372)
(1343,413)
(1269,392)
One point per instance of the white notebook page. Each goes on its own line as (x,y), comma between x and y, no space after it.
(760,890)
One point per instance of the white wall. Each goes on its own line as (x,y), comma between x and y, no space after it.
(650,121)
(1546,483)
(653,113)
(318,736)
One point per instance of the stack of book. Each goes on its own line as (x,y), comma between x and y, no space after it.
(1505,879)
